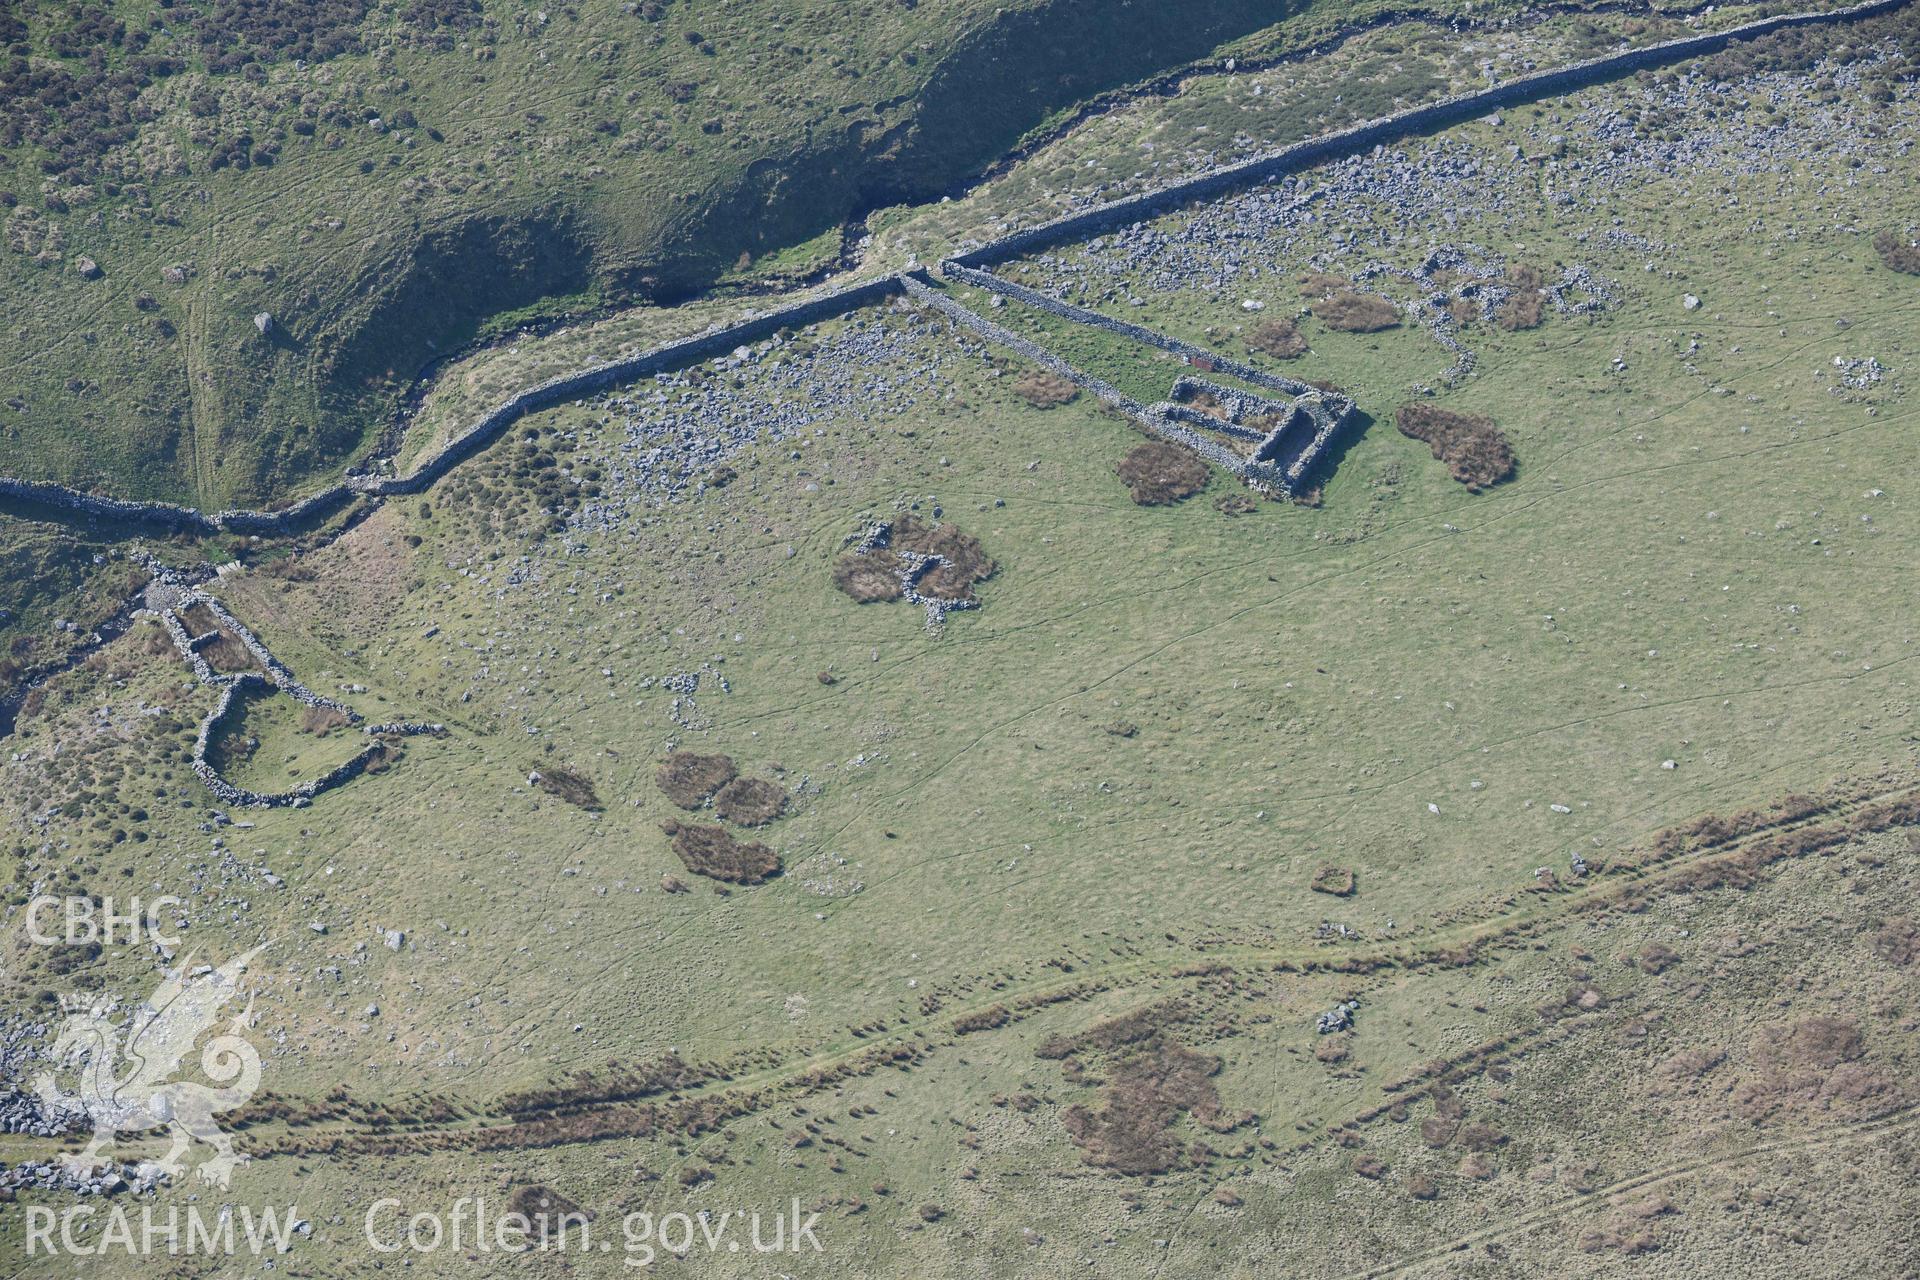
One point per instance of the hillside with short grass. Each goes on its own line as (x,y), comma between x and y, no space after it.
(236,232)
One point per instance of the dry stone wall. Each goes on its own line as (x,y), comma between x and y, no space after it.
(1158,424)
(179,596)
(672,355)
(1086,222)
(1447,111)
(954,270)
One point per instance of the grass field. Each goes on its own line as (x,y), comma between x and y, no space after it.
(1116,785)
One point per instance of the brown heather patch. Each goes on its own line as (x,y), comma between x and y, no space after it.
(1161,474)
(870,577)
(320,721)
(1352,312)
(1521,311)
(687,778)
(1656,957)
(1812,1043)
(1045,390)
(750,802)
(966,561)
(1898,253)
(571,785)
(1475,451)
(876,575)
(1148,1090)
(984,1020)
(227,655)
(1897,941)
(198,619)
(549,1215)
(1277,338)
(1525,309)
(712,852)
(610,1084)
(1116,1033)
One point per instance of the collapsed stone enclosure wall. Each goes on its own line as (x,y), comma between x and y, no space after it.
(1086,222)
(173,597)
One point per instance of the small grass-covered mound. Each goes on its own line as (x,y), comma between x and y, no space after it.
(687,778)
(750,802)
(1338,881)
(1160,474)
(714,853)
(1475,451)
(1898,253)
(571,785)
(1045,390)
(1277,338)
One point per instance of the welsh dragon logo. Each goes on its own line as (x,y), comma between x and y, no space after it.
(152,1042)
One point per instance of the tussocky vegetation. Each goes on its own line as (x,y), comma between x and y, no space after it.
(1517,879)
